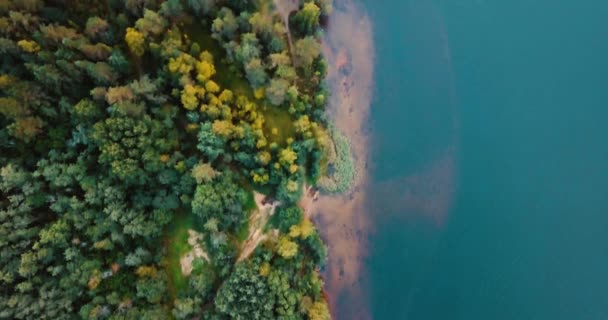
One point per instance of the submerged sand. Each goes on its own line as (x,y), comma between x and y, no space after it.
(342,220)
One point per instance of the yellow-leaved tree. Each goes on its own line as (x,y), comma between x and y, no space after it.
(135,41)
(287,248)
(28,46)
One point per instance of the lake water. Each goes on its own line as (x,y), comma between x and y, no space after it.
(490,160)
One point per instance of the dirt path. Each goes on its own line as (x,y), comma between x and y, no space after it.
(257,222)
(285,7)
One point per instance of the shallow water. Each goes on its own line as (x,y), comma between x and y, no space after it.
(489,163)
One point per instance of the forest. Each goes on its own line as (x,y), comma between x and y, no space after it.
(134,132)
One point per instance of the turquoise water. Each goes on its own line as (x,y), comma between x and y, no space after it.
(490,160)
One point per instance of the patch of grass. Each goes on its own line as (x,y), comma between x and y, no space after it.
(280,120)
(176,240)
(341,172)
(243,232)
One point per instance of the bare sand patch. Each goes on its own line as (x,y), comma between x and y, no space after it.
(194,239)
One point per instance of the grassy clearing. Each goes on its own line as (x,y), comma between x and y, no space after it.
(280,120)
(177,245)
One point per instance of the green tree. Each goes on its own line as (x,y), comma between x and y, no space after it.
(223,200)
(306,51)
(256,74)
(245,295)
(286,217)
(307,19)
(275,93)
(210,144)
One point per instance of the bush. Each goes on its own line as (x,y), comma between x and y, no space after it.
(341,172)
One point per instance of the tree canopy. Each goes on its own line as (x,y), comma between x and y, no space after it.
(119,120)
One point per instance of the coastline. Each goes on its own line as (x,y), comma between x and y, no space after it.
(341,219)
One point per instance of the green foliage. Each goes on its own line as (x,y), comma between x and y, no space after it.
(210,144)
(255,73)
(245,295)
(285,217)
(222,199)
(125,124)
(306,51)
(276,91)
(306,20)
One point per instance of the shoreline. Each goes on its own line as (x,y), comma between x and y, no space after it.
(341,219)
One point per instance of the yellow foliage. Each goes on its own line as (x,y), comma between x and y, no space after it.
(264,157)
(11,108)
(203,172)
(102,245)
(306,228)
(213,111)
(190,96)
(261,143)
(287,248)
(180,166)
(226,96)
(226,112)
(293,168)
(213,99)
(206,56)
(164,158)
(192,127)
(302,124)
(183,64)
(261,179)
(5,81)
(259,93)
(135,41)
(223,128)
(212,87)
(319,311)
(238,132)
(146,271)
(28,46)
(258,123)
(287,156)
(26,128)
(94,280)
(292,186)
(294,231)
(205,71)
(265,269)
(302,230)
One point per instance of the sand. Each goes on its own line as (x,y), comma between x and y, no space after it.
(194,239)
